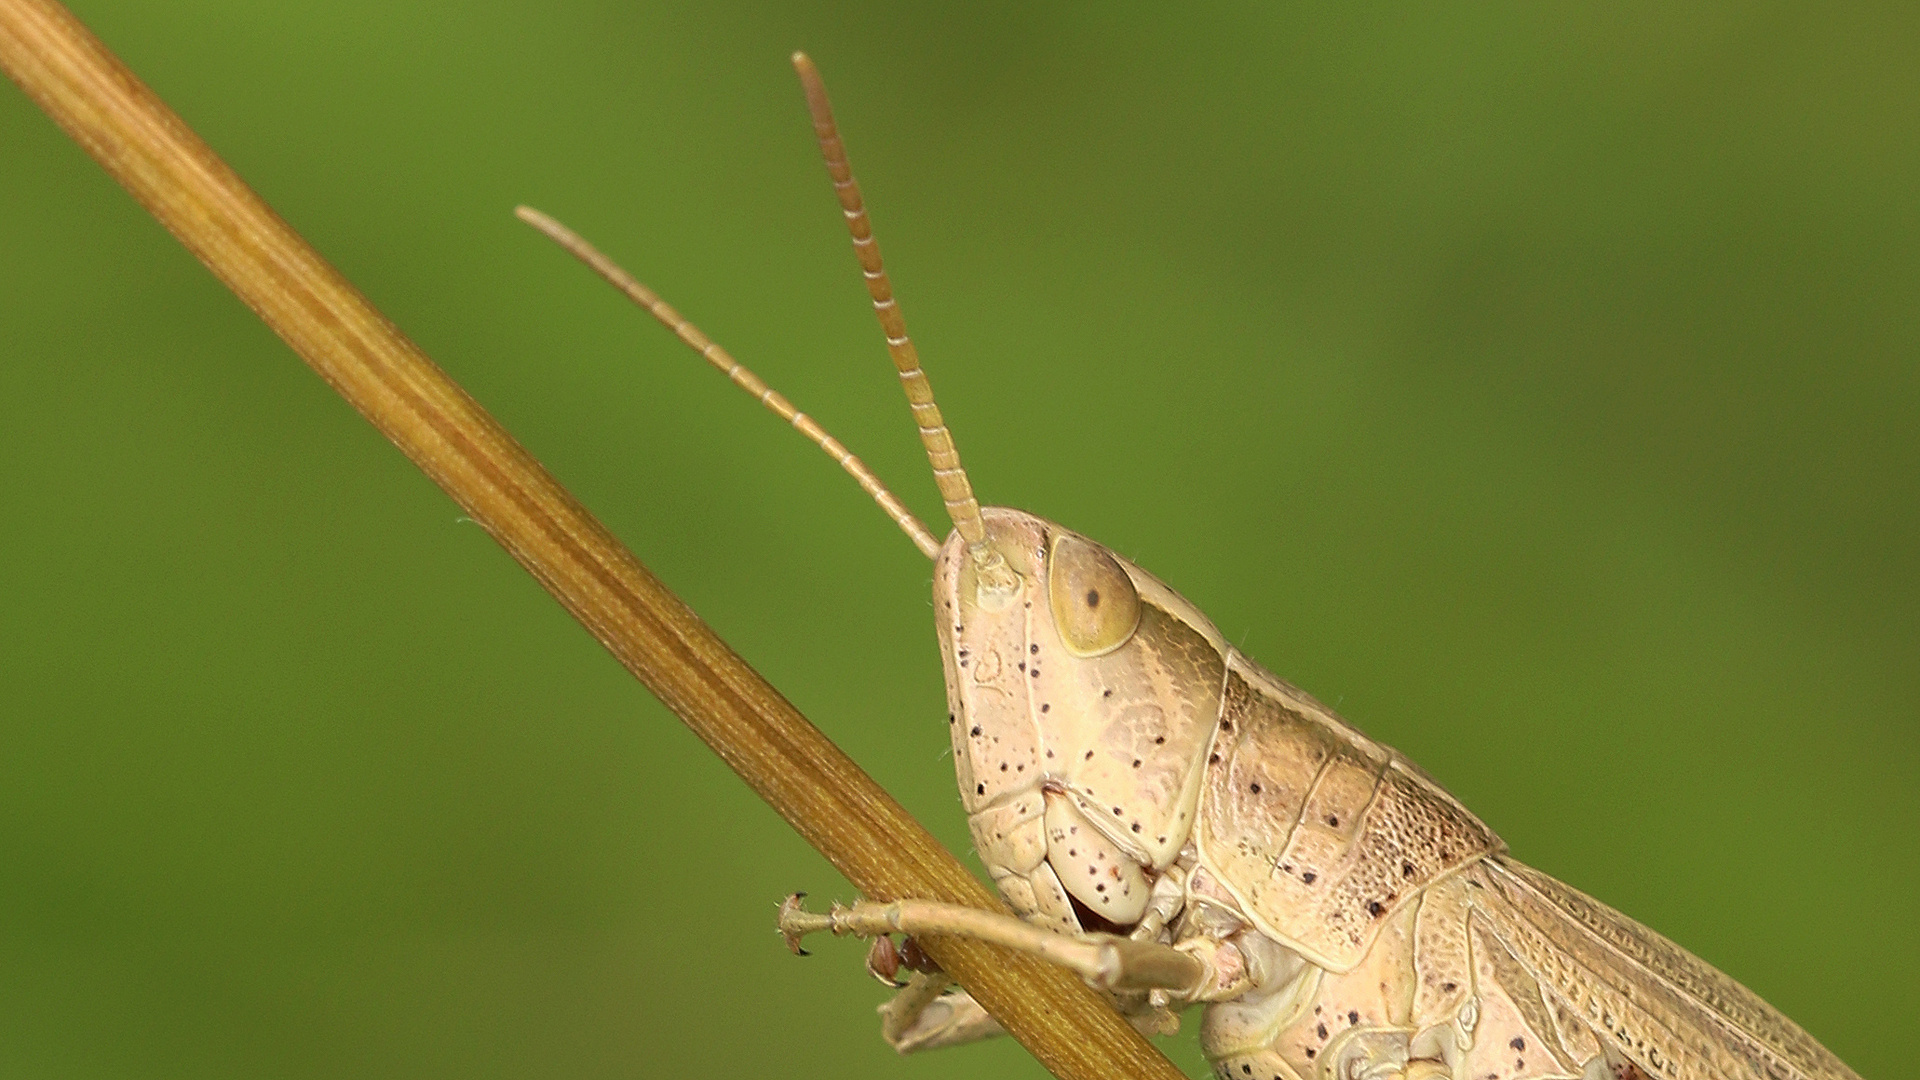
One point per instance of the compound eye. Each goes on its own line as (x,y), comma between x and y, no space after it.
(1095,607)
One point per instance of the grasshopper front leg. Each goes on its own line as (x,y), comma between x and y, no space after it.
(1143,975)
(1109,963)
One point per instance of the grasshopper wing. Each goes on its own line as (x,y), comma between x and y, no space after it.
(1674,1014)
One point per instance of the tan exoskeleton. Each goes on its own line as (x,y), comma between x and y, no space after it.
(1181,827)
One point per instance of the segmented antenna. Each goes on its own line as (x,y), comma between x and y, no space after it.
(962,507)
(736,371)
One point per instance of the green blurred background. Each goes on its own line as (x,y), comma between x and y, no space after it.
(1535,383)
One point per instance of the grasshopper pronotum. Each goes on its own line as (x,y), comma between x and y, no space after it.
(1180,827)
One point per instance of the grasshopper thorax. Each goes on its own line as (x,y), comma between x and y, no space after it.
(1083,704)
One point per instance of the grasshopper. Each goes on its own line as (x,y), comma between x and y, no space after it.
(1180,827)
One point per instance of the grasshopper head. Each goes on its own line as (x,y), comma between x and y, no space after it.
(1082,692)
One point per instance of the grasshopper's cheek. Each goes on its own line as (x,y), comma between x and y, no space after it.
(1092,867)
(1095,606)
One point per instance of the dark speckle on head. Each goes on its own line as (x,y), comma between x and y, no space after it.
(979,789)
(1518,1043)
(1406,869)
(1333,820)
(1045,706)
(1213,759)
(1309,877)
(1159,740)
(1136,826)
(1353,1018)
(1106,693)
(1136,763)
(1375,908)
(1255,788)
(975,731)
(1089,756)
(1116,811)
(1093,597)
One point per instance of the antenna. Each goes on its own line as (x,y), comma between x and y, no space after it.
(923,538)
(962,508)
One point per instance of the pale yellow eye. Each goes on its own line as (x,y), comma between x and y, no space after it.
(1095,606)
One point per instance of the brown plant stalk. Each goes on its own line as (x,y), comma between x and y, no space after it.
(828,799)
